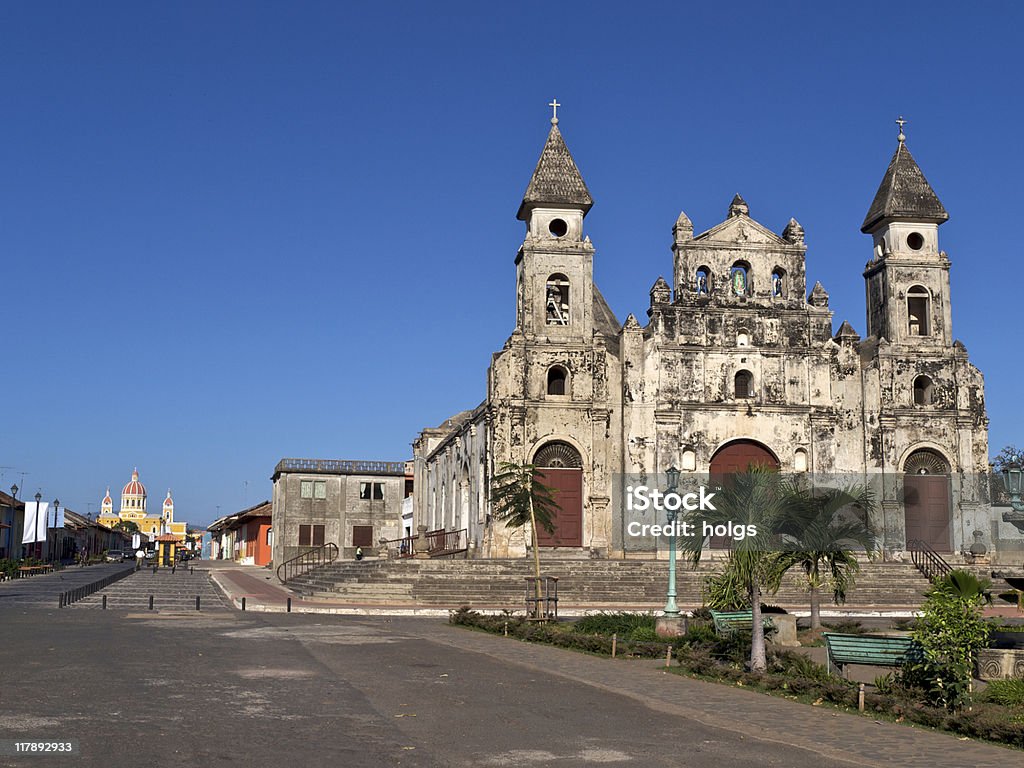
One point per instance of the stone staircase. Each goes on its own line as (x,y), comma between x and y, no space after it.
(171,592)
(496,584)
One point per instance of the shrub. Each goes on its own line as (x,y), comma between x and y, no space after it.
(1009,693)
(847,627)
(725,591)
(702,614)
(949,634)
(623,624)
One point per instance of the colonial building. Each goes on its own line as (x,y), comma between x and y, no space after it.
(347,503)
(133,508)
(738,363)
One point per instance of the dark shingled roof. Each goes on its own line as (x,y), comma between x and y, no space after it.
(904,193)
(556,180)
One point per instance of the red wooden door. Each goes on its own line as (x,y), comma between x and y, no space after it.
(568,520)
(733,458)
(926,510)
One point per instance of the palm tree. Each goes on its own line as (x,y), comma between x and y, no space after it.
(519,498)
(128,526)
(821,541)
(756,500)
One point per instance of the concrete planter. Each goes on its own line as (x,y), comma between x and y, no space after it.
(785,630)
(1000,663)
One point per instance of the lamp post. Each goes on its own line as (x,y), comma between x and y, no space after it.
(671,610)
(1012,480)
(39,498)
(10,532)
(53,553)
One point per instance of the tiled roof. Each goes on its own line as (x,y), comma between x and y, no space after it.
(556,181)
(904,193)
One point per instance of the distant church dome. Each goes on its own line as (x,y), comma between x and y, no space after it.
(168,502)
(134,488)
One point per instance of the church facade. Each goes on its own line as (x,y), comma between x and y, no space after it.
(738,363)
(133,508)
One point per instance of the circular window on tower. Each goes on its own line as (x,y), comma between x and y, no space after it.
(915,240)
(558,227)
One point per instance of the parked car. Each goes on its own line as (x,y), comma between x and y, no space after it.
(150,554)
(114,556)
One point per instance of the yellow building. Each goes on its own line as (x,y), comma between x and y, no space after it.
(133,508)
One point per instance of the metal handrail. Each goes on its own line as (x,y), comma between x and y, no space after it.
(927,560)
(439,542)
(307,561)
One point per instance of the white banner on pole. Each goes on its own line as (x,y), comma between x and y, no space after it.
(60,517)
(35,522)
(28,533)
(136,541)
(44,508)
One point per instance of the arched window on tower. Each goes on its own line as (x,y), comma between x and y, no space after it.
(923,391)
(743,384)
(779,283)
(918,301)
(558,380)
(739,278)
(556,303)
(702,282)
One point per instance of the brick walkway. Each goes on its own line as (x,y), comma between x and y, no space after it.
(833,734)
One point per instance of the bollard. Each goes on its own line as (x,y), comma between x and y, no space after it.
(668,657)
(174,568)
(197,602)
(243,603)
(191,571)
(151,602)
(104,602)
(289,608)
(60,600)
(615,642)
(860,697)
(154,570)
(506,629)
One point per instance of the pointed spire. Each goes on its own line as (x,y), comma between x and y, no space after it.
(847,333)
(904,192)
(682,230)
(556,181)
(819,296)
(738,206)
(660,292)
(793,232)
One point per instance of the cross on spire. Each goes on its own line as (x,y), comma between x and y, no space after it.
(902,136)
(554,111)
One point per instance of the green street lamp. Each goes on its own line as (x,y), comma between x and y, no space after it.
(671,610)
(1012,479)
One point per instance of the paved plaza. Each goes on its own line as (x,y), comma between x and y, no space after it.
(163,688)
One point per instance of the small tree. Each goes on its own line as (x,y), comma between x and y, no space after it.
(1009,454)
(950,633)
(820,540)
(756,499)
(518,498)
(128,526)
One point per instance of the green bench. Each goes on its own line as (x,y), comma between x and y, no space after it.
(872,650)
(727,622)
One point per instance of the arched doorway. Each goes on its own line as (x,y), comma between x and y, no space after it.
(732,458)
(926,496)
(560,466)
(738,456)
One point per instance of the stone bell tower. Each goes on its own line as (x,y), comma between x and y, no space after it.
(555,264)
(908,276)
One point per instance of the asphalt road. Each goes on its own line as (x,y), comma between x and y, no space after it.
(157,689)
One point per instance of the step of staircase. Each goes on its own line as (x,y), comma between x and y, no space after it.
(170,591)
(582,581)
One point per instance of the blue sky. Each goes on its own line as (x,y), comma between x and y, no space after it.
(235,232)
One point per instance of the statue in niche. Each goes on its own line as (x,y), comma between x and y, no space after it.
(739,281)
